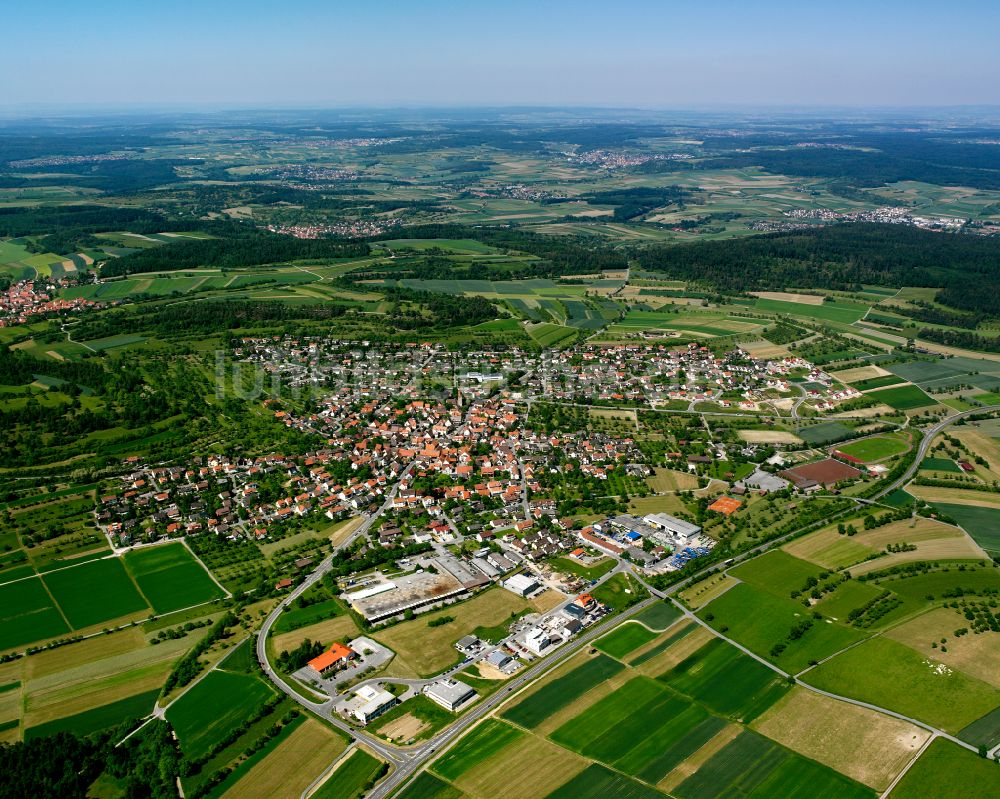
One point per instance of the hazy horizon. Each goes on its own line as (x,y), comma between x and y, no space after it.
(684,55)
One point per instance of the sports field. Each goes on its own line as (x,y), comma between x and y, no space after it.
(170,577)
(876,448)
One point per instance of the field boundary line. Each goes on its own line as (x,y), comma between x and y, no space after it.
(885,794)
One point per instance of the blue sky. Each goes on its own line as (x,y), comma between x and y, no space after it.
(671,53)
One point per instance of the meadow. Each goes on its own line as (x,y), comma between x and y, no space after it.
(837,311)
(947,771)
(891,675)
(982,523)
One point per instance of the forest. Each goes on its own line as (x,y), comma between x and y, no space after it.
(966,268)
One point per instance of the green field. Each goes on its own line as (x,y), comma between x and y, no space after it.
(170,577)
(558,693)
(28,614)
(760,620)
(753,766)
(485,741)
(95,592)
(599,782)
(947,771)
(846,312)
(296,618)
(940,465)
(824,433)
(903,398)
(663,645)
(983,524)
(624,639)
(213,708)
(659,616)
(99,718)
(427,786)
(776,572)
(727,681)
(348,781)
(873,449)
(891,675)
(877,382)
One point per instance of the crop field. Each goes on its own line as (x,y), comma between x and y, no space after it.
(99,718)
(94,592)
(876,448)
(290,768)
(759,621)
(427,650)
(170,577)
(427,786)
(903,398)
(711,325)
(863,744)
(27,613)
(214,707)
(598,782)
(829,549)
(776,572)
(624,639)
(485,741)
(558,693)
(877,382)
(295,618)
(891,675)
(727,681)
(837,311)
(705,590)
(940,465)
(753,766)
(357,769)
(947,771)
(659,616)
(982,523)
(666,480)
(546,334)
(662,645)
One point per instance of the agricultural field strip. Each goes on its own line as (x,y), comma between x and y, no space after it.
(929,727)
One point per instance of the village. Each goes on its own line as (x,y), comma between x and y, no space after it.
(29,298)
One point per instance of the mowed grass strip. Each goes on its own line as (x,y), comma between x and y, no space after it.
(534,709)
(28,614)
(95,592)
(624,639)
(171,578)
(214,707)
(890,675)
(727,681)
(484,741)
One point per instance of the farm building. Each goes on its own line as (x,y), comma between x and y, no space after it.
(450,694)
(336,658)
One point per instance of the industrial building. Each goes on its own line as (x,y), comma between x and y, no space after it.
(521,584)
(678,528)
(336,658)
(408,592)
(450,694)
(369,703)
